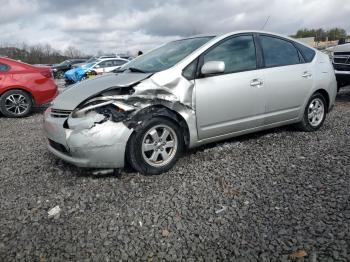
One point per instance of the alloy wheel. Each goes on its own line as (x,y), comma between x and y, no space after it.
(316,112)
(159,145)
(16,104)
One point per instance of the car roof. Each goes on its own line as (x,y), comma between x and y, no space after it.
(4,58)
(111,58)
(217,36)
(9,60)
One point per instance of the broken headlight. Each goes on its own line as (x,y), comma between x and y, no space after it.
(111,109)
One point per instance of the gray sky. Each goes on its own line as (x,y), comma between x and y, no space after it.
(121,25)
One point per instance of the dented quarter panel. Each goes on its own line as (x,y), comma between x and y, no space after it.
(177,85)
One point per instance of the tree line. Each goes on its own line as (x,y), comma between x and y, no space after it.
(45,54)
(321,34)
(38,54)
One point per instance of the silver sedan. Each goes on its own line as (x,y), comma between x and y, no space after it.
(188,93)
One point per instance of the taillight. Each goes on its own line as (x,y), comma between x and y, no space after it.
(47,74)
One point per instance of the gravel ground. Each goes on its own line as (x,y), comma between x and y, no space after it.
(271,196)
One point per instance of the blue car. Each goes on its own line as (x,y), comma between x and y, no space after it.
(96,68)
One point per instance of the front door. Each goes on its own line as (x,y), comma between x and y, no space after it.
(232,101)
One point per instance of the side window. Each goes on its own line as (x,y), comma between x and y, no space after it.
(104,64)
(190,70)
(308,53)
(118,62)
(100,65)
(278,52)
(3,67)
(108,63)
(238,53)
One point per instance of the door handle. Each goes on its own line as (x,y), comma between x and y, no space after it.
(256,83)
(306,74)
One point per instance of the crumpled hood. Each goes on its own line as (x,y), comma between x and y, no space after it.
(71,98)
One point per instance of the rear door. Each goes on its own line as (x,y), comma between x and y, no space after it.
(288,79)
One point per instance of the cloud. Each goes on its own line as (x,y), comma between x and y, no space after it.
(131,25)
(16,11)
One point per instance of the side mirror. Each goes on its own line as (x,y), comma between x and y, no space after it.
(97,66)
(213,67)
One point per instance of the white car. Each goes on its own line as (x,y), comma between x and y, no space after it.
(107,65)
(97,67)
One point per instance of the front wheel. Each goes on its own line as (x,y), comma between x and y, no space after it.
(15,103)
(156,147)
(60,75)
(314,113)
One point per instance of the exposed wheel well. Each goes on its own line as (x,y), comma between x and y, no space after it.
(324,93)
(162,111)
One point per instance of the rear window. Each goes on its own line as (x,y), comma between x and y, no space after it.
(3,67)
(307,53)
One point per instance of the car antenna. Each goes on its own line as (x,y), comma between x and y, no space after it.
(267,20)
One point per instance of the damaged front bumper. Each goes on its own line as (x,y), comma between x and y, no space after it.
(93,145)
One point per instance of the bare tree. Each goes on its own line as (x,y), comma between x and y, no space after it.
(72,52)
(36,54)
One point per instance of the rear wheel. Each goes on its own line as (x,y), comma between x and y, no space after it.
(15,103)
(156,147)
(314,113)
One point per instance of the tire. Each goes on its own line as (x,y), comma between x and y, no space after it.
(15,103)
(60,75)
(314,113)
(68,82)
(153,151)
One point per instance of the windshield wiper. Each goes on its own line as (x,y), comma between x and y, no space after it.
(131,69)
(136,70)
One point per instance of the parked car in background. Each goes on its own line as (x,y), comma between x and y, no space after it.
(94,59)
(49,65)
(23,86)
(340,56)
(188,93)
(125,56)
(59,69)
(100,66)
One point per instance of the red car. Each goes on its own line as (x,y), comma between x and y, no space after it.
(23,86)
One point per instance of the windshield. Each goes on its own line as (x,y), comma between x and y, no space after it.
(165,56)
(91,59)
(89,65)
(66,62)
